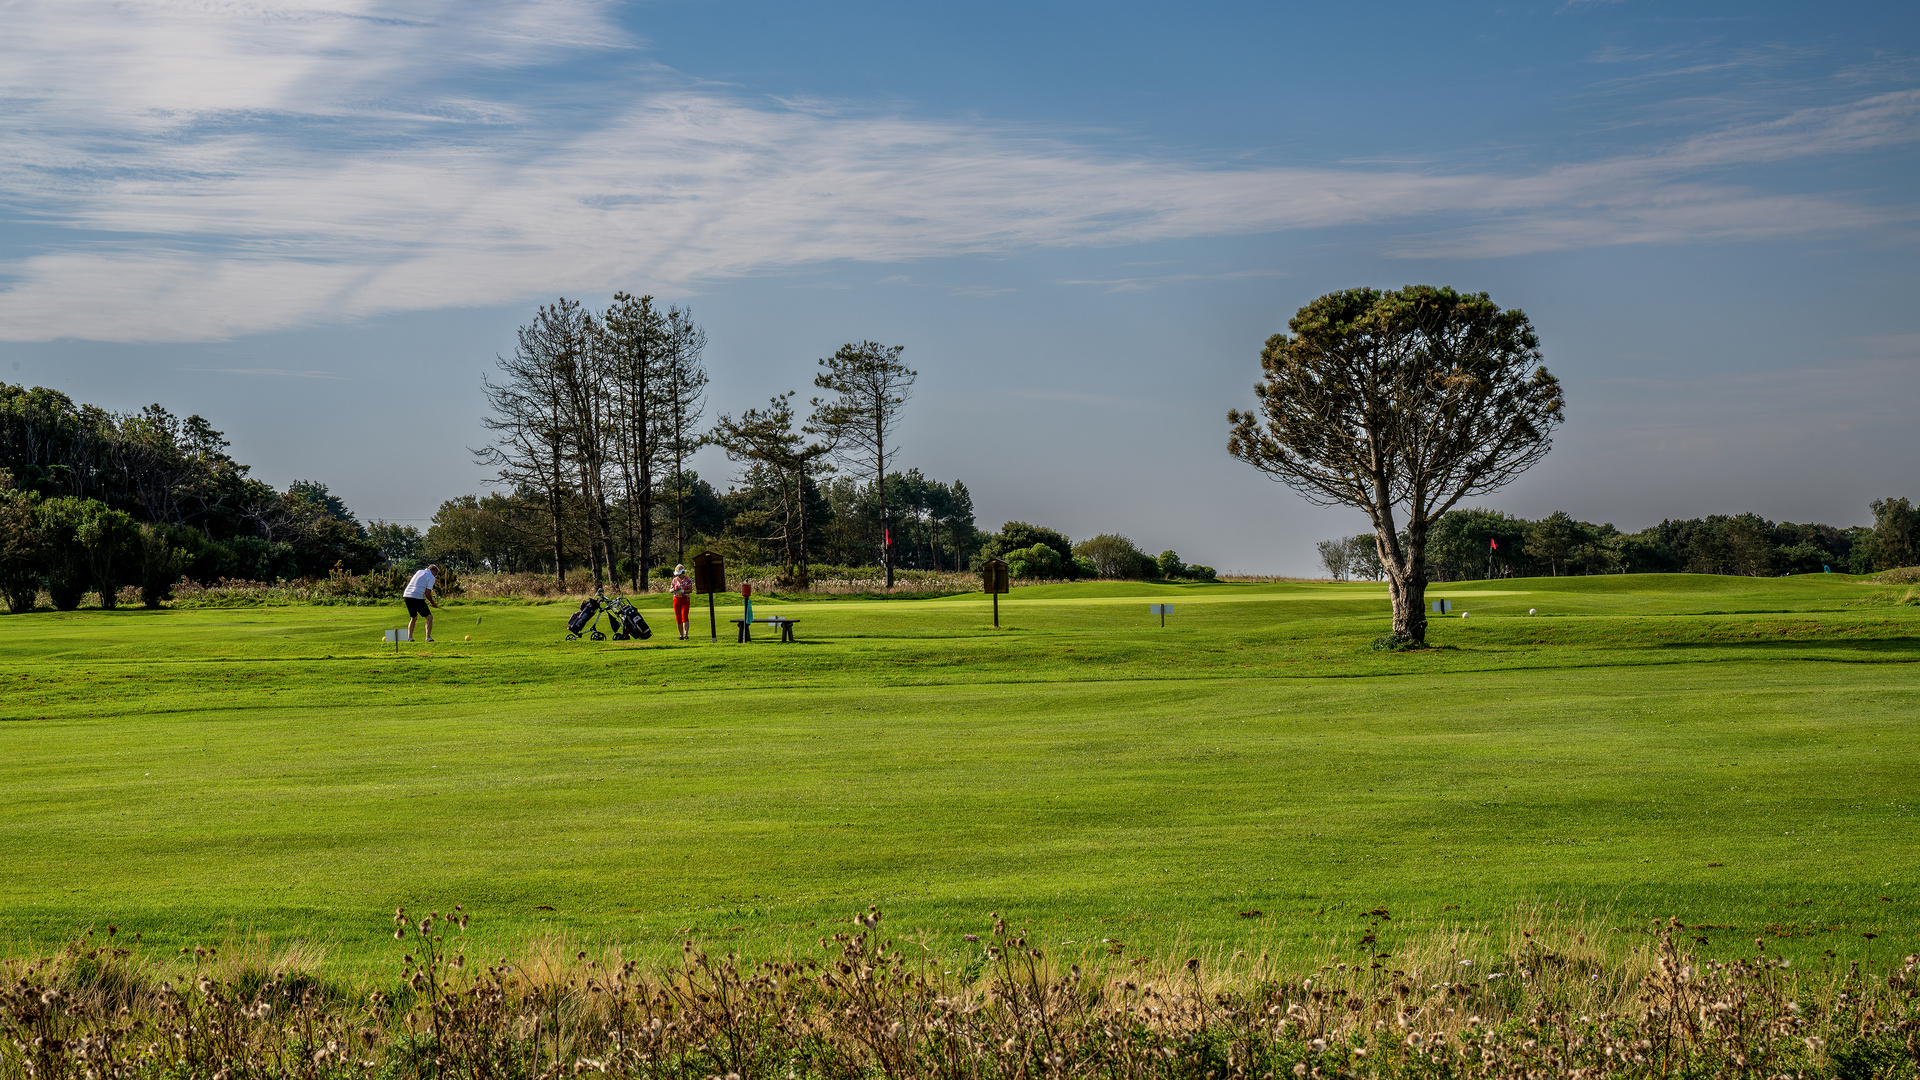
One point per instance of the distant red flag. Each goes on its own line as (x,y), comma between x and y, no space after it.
(889,537)
(1492,544)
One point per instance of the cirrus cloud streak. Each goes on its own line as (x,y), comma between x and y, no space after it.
(198,170)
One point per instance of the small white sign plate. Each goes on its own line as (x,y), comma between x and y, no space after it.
(399,635)
(1443,605)
(1159,609)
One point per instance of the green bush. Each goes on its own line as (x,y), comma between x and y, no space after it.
(20,548)
(254,559)
(64,558)
(163,558)
(112,542)
(1114,556)
(1038,561)
(1017,536)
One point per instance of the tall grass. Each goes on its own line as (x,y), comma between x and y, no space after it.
(1560,995)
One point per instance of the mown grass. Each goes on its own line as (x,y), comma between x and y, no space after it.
(1737,752)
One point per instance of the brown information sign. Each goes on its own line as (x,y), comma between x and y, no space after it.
(709,573)
(709,577)
(993,580)
(993,576)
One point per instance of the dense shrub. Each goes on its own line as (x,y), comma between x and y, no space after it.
(162,560)
(19,546)
(1114,556)
(1016,536)
(1038,561)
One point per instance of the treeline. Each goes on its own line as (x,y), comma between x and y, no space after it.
(94,501)
(932,524)
(1037,552)
(595,415)
(1471,544)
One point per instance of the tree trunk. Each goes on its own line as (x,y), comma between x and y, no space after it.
(606,541)
(803,577)
(559,531)
(1409,607)
(880,481)
(644,501)
(1406,567)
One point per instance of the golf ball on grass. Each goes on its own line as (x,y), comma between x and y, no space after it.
(469,637)
(1530,611)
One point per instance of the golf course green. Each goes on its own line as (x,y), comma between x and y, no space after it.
(1737,752)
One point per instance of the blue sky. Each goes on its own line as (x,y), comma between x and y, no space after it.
(316,222)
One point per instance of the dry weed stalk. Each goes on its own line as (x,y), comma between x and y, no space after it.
(1545,1000)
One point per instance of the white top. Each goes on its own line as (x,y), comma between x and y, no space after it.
(422,581)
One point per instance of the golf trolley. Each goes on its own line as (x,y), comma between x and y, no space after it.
(624,620)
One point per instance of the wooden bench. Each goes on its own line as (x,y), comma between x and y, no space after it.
(746,627)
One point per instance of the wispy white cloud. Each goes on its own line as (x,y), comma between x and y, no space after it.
(213,168)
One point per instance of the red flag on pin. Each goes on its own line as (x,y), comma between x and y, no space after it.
(1492,544)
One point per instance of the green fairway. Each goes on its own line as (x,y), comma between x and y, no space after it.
(1739,752)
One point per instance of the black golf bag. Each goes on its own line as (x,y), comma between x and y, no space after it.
(627,623)
(587,616)
(625,620)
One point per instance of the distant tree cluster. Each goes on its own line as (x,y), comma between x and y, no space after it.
(1351,558)
(595,415)
(1037,552)
(93,501)
(1469,544)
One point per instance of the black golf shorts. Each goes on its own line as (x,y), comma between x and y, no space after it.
(417,608)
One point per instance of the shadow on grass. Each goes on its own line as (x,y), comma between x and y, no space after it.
(1799,644)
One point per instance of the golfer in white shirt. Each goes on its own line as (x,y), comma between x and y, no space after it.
(419,594)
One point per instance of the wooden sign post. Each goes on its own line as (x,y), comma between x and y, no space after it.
(710,576)
(993,580)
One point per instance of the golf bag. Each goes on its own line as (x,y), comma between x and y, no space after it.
(625,620)
(587,616)
(627,623)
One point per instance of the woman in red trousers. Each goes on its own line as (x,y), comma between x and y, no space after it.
(682,599)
